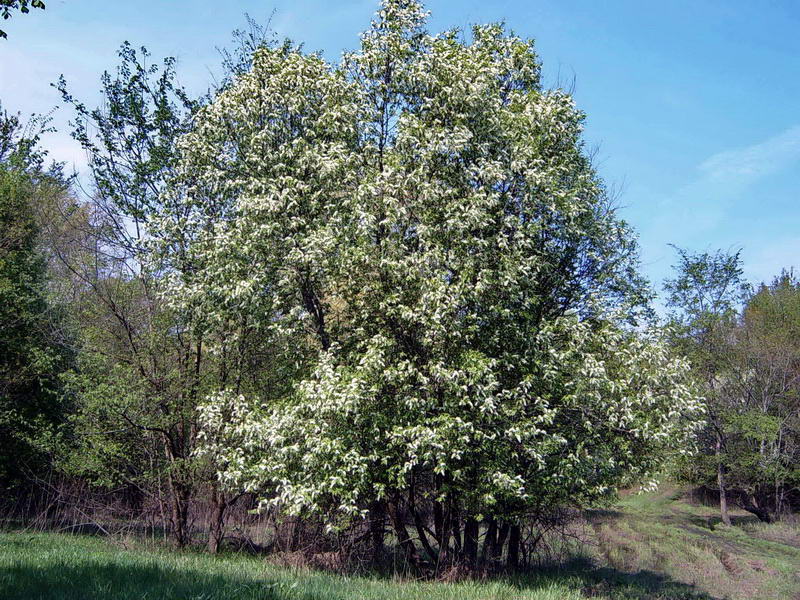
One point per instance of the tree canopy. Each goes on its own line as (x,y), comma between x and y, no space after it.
(420,231)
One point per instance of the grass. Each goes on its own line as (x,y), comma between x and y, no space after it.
(653,546)
(57,566)
(685,542)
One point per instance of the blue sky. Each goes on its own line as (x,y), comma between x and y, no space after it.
(692,105)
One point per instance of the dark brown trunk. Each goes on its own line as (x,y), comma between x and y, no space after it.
(502,534)
(377,526)
(216,520)
(438,522)
(455,527)
(405,541)
(513,547)
(419,525)
(444,540)
(294,539)
(180,493)
(752,506)
(180,515)
(487,551)
(423,537)
(471,528)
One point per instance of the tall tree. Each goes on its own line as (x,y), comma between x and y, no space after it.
(146,365)
(142,368)
(762,411)
(422,227)
(771,333)
(744,351)
(705,295)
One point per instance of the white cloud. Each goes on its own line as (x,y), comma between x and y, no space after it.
(704,203)
(744,166)
(702,214)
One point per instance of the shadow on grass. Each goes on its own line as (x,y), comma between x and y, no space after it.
(49,569)
(100,580)
(607,582)
(96,580)
(712,522)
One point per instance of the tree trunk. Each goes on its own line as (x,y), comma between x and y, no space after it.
(438,523)
(455,521)
(502,534)
(180,514)
(513,547)
(377,525)
(723,495)
(444,540)
(487,551)
(294,536)
(180,492)
(752,507)
(423,537)
(471,528)
(405,541)
(419,525)
(216,520)
(779,498)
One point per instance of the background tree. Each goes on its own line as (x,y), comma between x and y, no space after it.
(145,365)
(705,294)
(764,383)
(142,368)
(744,352)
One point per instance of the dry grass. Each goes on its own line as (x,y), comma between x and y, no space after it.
(665,534)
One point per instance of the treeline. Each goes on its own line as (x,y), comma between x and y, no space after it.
(745,352)
(388,302)
(36,345)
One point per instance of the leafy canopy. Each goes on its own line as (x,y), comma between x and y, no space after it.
(421,228)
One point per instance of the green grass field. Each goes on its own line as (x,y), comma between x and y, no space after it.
(651,546)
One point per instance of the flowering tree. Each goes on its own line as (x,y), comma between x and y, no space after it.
(420,234)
